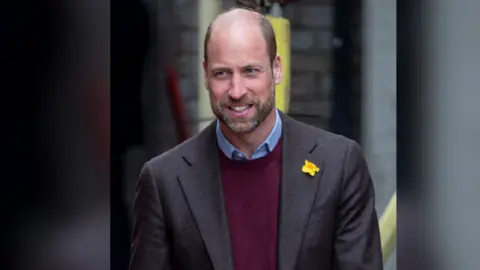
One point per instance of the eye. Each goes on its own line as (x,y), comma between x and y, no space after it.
(251,70)
(220,74)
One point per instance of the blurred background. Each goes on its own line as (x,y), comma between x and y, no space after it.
(342,73)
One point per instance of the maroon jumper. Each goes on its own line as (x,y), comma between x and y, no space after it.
(251,191)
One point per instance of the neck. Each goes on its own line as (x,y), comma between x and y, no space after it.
(248,142)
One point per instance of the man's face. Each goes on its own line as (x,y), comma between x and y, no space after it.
(240,77)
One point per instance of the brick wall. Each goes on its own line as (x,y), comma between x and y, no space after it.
(186,17)
(311,34)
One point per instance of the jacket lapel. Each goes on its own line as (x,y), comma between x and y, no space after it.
(298,189)
(201,183)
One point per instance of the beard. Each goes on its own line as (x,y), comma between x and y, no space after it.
(262,109)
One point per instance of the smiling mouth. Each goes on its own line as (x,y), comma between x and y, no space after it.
(240,108)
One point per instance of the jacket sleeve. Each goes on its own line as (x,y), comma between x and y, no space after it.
(150,247)
(357,236)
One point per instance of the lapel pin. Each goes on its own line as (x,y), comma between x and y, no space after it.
(310,168)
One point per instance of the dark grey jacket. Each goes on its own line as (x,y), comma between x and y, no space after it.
(327,221)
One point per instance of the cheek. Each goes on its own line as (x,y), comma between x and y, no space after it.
(217,90)
(260,88)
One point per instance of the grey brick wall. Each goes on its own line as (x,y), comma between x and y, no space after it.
(311,34)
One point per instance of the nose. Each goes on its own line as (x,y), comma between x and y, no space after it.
(237,87)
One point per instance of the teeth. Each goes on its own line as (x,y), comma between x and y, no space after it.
(239,108)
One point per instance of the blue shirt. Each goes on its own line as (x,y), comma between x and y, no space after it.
(266,147)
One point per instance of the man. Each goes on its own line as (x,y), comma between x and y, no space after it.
(255,189)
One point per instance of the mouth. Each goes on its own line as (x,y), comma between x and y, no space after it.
(240,110)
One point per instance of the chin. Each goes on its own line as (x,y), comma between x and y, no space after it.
(242,127)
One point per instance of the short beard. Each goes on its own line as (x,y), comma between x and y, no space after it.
(262,110)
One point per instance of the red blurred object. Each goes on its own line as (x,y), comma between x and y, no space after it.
(177,104)
(97,104)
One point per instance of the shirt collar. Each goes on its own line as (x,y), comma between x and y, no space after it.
(267,146)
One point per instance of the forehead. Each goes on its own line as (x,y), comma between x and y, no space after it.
(235,42)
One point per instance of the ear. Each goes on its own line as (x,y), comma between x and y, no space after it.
(205,74)
(277,69)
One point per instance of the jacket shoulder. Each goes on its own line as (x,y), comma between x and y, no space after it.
(170,158)
(337,147)
(325,137)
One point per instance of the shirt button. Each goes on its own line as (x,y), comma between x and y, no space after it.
(238,156)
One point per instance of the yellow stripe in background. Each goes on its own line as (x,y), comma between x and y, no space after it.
(388,228)
(281,27)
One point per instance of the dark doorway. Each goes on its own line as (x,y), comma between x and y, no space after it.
(346,98)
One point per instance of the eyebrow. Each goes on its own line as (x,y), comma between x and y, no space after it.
(224,67)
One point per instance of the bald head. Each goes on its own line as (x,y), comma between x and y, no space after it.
(239,21)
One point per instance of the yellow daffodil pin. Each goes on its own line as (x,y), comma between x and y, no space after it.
(310,168)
